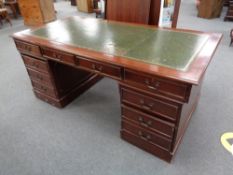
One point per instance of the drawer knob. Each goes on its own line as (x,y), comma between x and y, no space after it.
(147,81)
(149,123)
(39,77)
(57,56)
(43,88)
(93,66)
(144,123)
(151,85)
(35,65)
(146,106)
(97,68)
(157,84)
(28,48)
(142,102)
(143,136)
(140,119)
(100,68)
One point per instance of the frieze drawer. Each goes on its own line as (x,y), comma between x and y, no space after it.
(36,64)
(172,89)
(163,108)
(149,122)
(147,135)
(100,68)
(58,56)
(27,48)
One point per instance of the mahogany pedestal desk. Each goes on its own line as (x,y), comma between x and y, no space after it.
(159,71)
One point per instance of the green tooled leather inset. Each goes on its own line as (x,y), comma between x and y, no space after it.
(167,48)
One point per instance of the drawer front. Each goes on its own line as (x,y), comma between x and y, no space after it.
(147,135)
(160,107)
(171,89)
(40,77)
(101,68)
(35,64)
(28,48)
(58,56)
(151,148)
(48,99)
(148,122)
(44,89)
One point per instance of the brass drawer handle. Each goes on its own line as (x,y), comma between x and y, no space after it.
(143,136)
(156,85)
(151,85)
(97,68)
(147,81)
(57,56)
(100,68)
(93,66)
(144,123)
(35,65)
(146,106)
(27,48)
(44,88)
(39,77)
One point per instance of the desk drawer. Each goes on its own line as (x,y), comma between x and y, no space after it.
(147,136)
(101,68)
(28,48)
(35,64)
(58,56)
(171,89)
(164,108)
(40,77)
(44,89)
(149,122)
(147,146)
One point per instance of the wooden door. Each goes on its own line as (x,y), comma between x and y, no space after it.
(136,11)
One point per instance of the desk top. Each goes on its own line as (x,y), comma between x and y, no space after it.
(173,49)
(154,46)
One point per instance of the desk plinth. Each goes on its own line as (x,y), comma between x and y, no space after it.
(157,102)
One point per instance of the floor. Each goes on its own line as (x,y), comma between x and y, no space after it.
(83,138)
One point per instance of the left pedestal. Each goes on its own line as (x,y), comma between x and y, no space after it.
(55,83)
(37,12)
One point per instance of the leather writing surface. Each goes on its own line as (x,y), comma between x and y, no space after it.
(169,48)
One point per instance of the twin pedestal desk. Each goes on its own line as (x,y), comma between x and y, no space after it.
(159,71)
